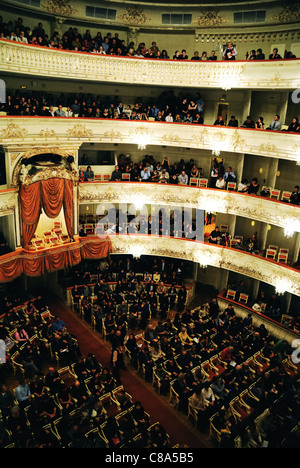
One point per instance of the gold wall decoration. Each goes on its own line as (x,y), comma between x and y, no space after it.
(290,14)
(79,131)
(134,15)
(210,17)
(59,7)
(47,133)
(13,131)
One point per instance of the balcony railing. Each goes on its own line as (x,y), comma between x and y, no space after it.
(41,61)
(55,131)
(282,277)
(228,202)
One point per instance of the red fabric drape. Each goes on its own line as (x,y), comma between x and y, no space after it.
(51,195)
(35,264)
(30,199)
(52,191)
(68,206)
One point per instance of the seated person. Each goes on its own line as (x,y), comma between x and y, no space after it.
(275,124)
(243,186)
(295,196)
(215,236)
(259,55)
(294,125)
(274,55)
(260,123)
(89,174)
(220,183)
(248,123)
(265,192)
(116,175)
(253,187)
(233,122)
(219,121)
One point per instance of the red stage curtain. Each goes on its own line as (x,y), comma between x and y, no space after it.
(68,206)
(51,195)
(30,198)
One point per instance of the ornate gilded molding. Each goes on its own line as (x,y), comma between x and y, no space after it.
(19,173)
(206,254)
(13,131)
(79,131)
(59,7)
(210,18)
(134,16)
(290,14)
(61,132)
(247,206)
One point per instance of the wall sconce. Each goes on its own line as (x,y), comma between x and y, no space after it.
(261,170)
(252,223)
(197,38)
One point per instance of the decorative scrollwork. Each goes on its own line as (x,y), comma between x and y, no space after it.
(210,17)
(59,7)
(134,15)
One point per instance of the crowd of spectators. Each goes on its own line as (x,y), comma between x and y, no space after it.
(109,44)
(46,408)
(183,108)
(181,173)
(172,351)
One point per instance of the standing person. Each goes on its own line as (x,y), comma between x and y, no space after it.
(117,362)
(230,52)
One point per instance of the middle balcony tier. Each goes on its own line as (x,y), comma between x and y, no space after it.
(253,207)
(32,132)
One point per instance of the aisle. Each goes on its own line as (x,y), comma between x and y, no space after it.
(179,430)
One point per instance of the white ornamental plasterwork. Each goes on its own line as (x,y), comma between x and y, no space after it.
(92,67)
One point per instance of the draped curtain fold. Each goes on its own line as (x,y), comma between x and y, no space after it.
(51,195)
(12,266)
(30,198)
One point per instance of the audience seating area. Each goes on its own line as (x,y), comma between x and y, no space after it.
(73,403)
(250,372)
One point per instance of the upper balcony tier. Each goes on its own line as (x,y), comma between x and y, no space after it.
(28,132)
(38,61)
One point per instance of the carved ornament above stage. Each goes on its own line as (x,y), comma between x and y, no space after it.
(42,164)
